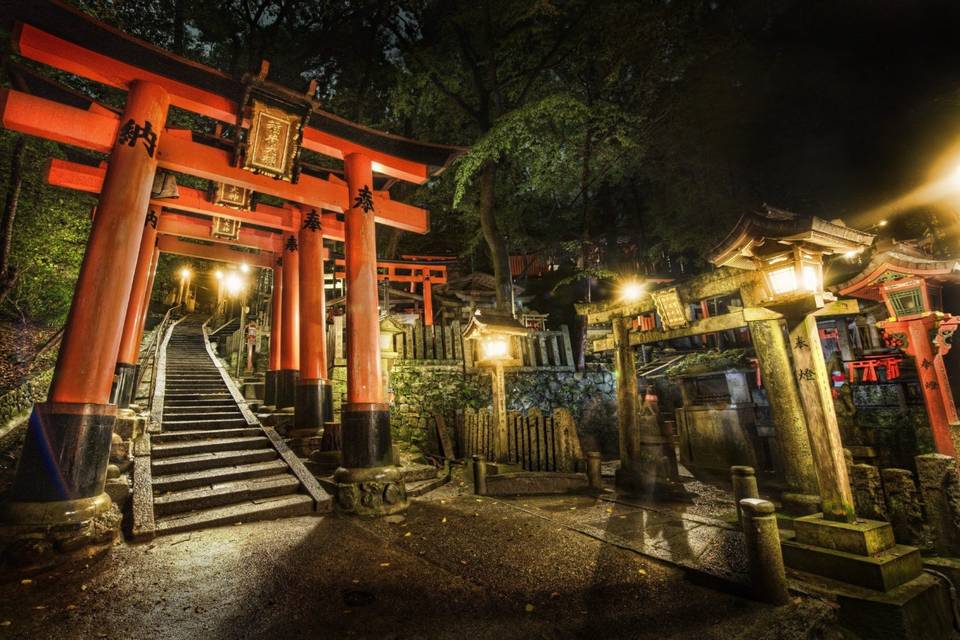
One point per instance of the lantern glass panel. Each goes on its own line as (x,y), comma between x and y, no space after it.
(783,280)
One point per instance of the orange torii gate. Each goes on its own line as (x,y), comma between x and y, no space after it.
(423,273)
(60,479)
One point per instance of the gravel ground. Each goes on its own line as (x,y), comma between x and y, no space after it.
(454,566)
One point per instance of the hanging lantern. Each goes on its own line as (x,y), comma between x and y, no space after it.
(799,270)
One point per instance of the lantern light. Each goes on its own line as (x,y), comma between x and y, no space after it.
(244,267)
(185,273)
(495,347)
(218,274)
(632,290)
(792,272)
(234,284)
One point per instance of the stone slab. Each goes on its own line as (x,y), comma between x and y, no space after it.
(144,525)
(863,537)
(532,482)
(881,572)
(917,610)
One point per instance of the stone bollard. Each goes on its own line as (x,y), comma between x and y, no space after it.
(867,492)
(479,475)
(744,486)
(593,470)
(940,486)
(768,579)
(903,506)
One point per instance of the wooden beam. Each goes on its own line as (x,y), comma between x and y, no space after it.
(179,225)
(216,252)
(48,49)
(177,152)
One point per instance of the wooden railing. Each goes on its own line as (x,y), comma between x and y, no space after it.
(550,350)
(536,441)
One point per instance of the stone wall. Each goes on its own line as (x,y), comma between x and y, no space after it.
(422,389)
(18,401)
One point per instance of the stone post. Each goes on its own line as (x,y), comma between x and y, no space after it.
(940,486)
(768,580)
(802,496)
(594,476)
(903,506)
(629,475)
(479,475)
(744,481)
(868,491)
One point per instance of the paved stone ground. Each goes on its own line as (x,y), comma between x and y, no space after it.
(454,567)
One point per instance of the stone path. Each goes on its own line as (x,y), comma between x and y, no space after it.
(452,568)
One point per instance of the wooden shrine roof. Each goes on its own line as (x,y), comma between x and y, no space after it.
(894,261)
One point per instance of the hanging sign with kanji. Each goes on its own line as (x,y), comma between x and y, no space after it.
(226,228)
(273,141)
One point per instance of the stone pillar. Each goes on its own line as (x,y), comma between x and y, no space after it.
(594,470)
(802,495)
(744,480)
(903,506)
(276,331)
(629,475)
(824,432)
(124,388)
(368,483)
(499,418)
(60,478)
(289,373)
(768,578)
(314,398)
(868,491)
(940,486)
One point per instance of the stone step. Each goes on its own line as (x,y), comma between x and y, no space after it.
(186,447)
(212,460)
(265,509)
(421,487)
(417,472)
(203,415)
(200,409)
(203,434)
(226,493)
(196,425)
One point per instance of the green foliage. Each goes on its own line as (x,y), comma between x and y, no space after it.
(708,362)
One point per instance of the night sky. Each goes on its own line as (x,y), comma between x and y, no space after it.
(831,108)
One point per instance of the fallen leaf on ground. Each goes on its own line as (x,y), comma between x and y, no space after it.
(528,608)
(26,581)
(444,519)
(384,564)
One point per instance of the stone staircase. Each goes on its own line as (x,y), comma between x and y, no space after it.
(212,463)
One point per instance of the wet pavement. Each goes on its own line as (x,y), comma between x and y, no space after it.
(455,566)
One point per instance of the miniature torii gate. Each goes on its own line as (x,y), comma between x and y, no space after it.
(908,282)
(60,479)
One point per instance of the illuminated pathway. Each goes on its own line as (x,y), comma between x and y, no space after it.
(455,567)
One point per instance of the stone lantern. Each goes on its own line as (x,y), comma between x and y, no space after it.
(497,346)
(389,328)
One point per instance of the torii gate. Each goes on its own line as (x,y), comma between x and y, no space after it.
(909,282)
(60,479)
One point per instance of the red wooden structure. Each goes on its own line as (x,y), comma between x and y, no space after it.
(65,455)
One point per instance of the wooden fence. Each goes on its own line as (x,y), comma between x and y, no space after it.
(550,350)
(536,441)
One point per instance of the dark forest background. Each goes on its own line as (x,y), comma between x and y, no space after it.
(618,137)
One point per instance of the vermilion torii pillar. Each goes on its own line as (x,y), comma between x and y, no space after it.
(125,383)
(145,306)
(314,401)
(62,469)
(289,374)
(368,483)
(276,331)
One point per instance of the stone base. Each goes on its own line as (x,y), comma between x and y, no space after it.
(863,537)
(375,491)
(325,462)
(303,446)
(40,535)
(129,425)
(365,434)
(800,504)
(270,389)
(881,572)
(282,420)
(917,610)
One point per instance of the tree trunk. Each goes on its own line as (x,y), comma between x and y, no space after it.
(178,27)
(495,240)
(8,273)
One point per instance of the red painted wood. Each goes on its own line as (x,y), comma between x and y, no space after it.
(313,313)
(276,318)
(91,340)
(290,315)
(129,342)
(362,317)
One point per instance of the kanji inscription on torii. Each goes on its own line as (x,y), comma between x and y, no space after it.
(272,142)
